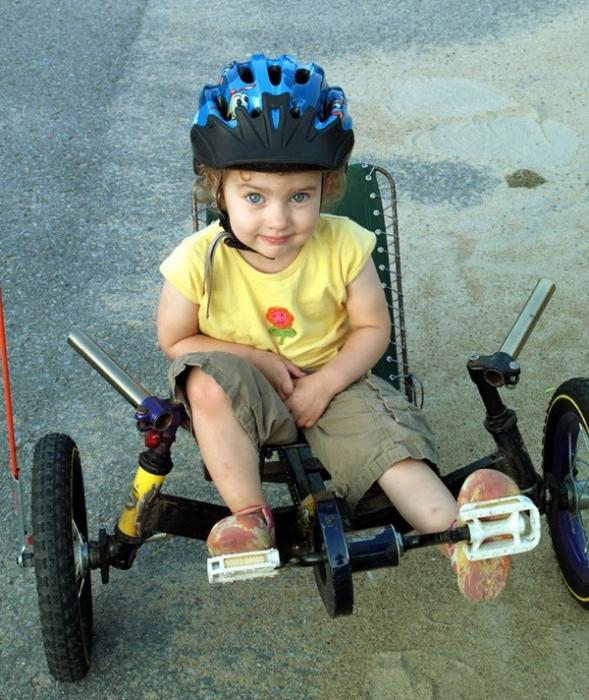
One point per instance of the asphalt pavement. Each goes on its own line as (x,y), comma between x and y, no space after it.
(97,102)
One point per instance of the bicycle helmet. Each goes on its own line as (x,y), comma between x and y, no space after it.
(272,114)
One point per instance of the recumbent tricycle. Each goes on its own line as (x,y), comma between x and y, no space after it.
(317,530)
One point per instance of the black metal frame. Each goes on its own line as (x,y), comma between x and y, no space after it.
(318,529)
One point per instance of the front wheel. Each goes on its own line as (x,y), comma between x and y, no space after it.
(60,546)
(566,474)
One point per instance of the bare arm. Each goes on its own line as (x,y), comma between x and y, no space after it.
(371,326)
(178,333)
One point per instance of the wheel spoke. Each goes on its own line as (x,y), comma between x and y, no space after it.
(81,587)
(579,467)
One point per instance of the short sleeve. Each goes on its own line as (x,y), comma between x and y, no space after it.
(183,269)
(357,247)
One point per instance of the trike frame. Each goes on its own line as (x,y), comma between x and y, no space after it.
(322,540)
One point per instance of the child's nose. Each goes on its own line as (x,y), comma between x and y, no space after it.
(277,216)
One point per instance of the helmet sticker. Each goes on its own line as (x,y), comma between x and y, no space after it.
(337,108)
(239,98)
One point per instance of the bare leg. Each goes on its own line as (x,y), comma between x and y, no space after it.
(420,496)
(425,503)
(227,451)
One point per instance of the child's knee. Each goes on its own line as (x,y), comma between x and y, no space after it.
(203,391)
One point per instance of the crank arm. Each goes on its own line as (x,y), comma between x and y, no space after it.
(500,527)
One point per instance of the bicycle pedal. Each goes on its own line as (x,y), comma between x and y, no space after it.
(243,565)
(514,527)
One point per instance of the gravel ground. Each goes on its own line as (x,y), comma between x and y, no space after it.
(97,103)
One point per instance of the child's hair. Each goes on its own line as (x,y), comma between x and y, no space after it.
(209,181)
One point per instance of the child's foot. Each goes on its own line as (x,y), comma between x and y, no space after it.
(482,580)
(245,531)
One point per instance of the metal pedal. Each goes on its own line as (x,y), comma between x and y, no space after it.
(243,565)
(514,527)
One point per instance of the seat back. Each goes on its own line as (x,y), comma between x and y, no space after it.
(370,200)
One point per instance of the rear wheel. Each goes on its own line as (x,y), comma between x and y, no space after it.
(60,542)
(566,473)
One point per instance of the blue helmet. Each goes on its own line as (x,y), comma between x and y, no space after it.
(272,114)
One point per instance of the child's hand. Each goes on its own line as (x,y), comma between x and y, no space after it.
(310,398)
(278,371)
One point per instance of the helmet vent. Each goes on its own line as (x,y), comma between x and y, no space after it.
(222,107)
(246,74)
(302,76)
(275,75)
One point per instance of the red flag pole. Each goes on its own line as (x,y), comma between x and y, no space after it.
(7,395)
(25,554)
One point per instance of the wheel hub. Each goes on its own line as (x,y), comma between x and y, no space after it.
(81,554)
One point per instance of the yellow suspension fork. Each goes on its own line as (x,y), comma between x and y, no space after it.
(158,420)
(149,478)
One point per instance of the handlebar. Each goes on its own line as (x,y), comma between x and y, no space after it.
(136,393)
(528,318)
(114,374)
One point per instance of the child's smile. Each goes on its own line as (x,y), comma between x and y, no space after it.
(275,214)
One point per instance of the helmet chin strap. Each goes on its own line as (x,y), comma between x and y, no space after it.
(231,240)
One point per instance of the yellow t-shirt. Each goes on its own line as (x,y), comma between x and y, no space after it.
(299,313)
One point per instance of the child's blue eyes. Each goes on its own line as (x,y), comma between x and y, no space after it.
(255,198)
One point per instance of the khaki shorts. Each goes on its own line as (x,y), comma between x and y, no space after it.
(366,428)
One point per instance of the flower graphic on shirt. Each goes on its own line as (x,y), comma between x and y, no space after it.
(281,320)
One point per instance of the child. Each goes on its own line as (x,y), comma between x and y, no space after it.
(274,315)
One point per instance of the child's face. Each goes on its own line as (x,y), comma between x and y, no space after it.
(275,214)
